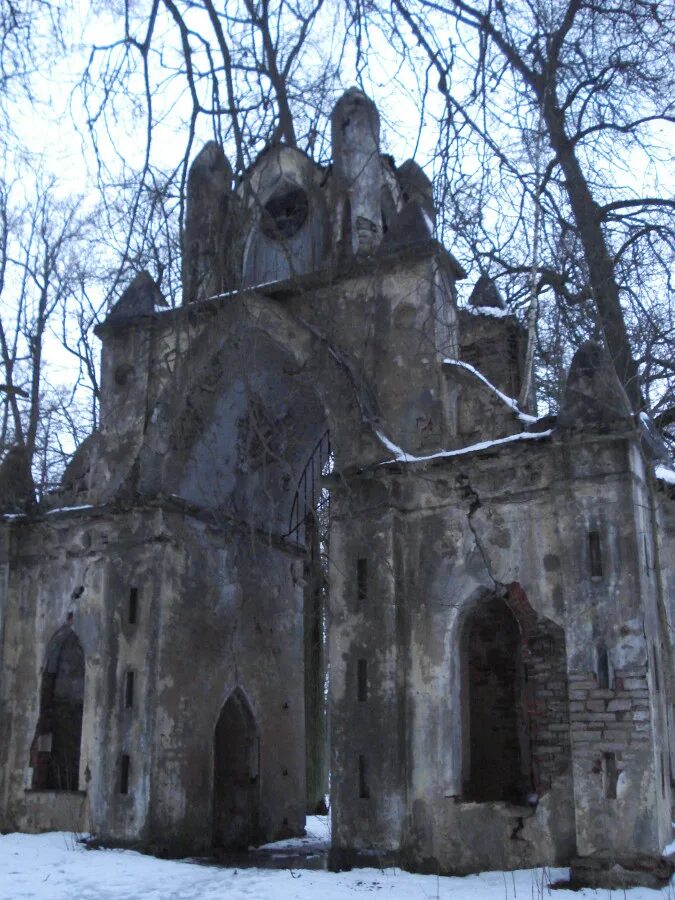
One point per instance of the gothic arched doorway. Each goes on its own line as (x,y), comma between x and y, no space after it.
(236,782)
(496,744)
(55,753)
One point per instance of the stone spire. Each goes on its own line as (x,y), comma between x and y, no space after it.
(358,172)
(205,254)
(416,188)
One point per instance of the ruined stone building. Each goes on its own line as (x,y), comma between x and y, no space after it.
(321,441)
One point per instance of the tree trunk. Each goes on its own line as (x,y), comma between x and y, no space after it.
(600,265)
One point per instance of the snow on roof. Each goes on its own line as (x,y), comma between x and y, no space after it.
(509,401)
(402,457)
(664,473)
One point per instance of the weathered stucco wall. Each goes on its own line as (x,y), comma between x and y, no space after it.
(208,620)
(466,526)
(495,580)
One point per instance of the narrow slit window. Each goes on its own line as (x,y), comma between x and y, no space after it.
(125,768)
(362,680)
(133,605)
(657,683)
(611,775)
(129,690)
(595,554)
(362,580)
(364,791)
(603,668)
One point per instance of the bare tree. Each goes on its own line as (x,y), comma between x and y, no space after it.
(597,79)
(247,74)
(41,251)
(547,166)
(550,118)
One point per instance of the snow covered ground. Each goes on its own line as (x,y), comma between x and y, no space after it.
(55,867)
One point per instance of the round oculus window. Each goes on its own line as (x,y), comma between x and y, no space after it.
(124,374)
(284,214)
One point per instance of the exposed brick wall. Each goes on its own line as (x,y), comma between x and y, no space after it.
(609,720)
(545,691)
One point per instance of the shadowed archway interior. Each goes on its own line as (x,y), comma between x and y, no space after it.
(236,781)
(497,740)
(55,753)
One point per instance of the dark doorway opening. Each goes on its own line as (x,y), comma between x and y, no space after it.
(310,526)
(55,753)
(236,778)
(496,744)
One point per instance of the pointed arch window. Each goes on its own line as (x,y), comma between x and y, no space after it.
(55,752)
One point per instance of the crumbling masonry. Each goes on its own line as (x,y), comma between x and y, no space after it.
(314,466)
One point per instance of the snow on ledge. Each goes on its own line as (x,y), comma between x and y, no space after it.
(62,509)
(509,401)
(12,517)
(246,290)
(663,473)
(494,312)
(401,456)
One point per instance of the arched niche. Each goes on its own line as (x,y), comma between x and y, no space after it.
(266,385)
(513,701)
(285,215)
(244,439)
(55,752)
(496,763)
(236,775)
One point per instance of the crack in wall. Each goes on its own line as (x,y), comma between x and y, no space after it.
(470,493)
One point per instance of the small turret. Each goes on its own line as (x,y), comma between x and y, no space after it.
(17,491)
(485,295)
(125,355)
(593,394)
(416,220)
(139,299)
